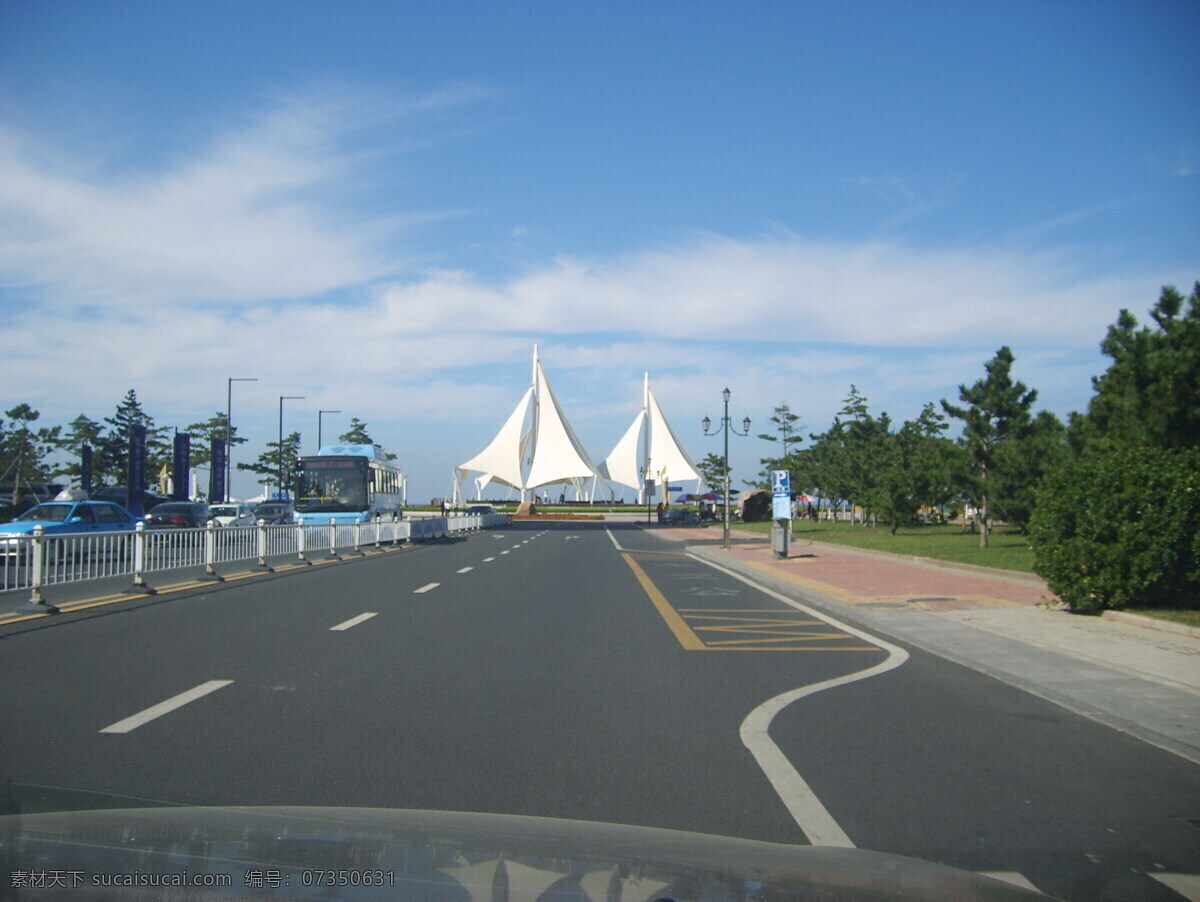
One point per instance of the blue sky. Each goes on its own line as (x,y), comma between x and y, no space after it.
(383,206)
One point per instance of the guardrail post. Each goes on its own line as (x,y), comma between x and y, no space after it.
(331,529)
(139,561)
(35,558)
(358,538)
(300,549)
(210,552)
(262,547)
(378,532)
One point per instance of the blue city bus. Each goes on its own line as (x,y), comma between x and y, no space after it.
(348,483)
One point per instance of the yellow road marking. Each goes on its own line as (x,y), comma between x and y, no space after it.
(776,633)
(688,639)
(71,607)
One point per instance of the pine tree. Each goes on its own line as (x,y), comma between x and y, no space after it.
(272,464)
(356,434)
(997,411)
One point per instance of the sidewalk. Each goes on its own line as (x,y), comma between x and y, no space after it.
(1124,672)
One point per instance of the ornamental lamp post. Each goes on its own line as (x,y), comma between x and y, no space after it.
(726,427)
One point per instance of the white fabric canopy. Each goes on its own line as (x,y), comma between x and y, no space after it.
(545,453)
(558,455)
(661,456)
(501,459)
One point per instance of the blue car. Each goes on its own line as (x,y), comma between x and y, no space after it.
(64,518)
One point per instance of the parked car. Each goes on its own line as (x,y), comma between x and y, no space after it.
(275,511)
(178,515)
(65,518)
(232,513)
(118,494)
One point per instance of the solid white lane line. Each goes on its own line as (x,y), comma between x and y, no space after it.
(353,621)
(811,816)
(177,701)
(466,569)
(426,588)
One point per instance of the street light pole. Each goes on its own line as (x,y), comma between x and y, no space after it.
(229,431)
(283,398)
(726,428)
(321,413)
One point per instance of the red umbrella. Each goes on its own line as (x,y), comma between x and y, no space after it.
(805,498)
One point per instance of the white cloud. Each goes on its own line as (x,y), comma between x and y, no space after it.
(125,270)
(253,215)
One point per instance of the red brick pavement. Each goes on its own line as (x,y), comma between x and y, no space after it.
(855,577)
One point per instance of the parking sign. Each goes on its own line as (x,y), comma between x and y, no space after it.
(781,482)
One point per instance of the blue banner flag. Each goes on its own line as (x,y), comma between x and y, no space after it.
(181,467)
(85,468)
(216,475)
(136,482)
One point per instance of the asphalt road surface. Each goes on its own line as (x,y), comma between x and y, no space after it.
(581,671)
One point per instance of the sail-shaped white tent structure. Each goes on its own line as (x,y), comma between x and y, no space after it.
(532,451)
(661,456)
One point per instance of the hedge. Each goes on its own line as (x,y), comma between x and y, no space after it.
(1121,530)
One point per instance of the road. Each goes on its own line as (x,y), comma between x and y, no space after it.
(590,671)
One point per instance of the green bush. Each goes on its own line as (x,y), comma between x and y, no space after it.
(1121,530)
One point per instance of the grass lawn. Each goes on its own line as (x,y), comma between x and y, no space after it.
(1187,618)
(1007,549)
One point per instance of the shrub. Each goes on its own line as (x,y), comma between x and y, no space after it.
(1121,529)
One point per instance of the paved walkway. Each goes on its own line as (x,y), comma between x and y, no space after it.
(1135,676)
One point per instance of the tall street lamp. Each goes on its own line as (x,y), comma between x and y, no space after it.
(283,398)
(726,427)
(321,413)
(229,432)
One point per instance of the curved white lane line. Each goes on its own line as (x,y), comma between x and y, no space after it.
(810,815)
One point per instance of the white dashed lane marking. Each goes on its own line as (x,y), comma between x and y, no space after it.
(353,621)
(176,701)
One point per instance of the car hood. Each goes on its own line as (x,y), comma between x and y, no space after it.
(354,853)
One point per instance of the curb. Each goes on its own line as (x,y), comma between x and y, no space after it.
(1152,623)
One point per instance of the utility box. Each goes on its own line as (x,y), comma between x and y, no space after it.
(781,537)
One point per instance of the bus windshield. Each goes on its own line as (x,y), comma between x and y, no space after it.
(333,486)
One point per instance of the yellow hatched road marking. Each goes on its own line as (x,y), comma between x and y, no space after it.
(688,639)
(775,633)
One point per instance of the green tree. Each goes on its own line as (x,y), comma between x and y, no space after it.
(81,431)
(997,411)
(712,471)
(1150,394)
(914,468)
(1117,525)
(356,434)
(277,459)
(110,458)
(203,433)
(1022,465)
(846,460)
(23,449)
(786,436)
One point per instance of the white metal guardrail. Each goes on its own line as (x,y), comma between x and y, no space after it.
(37,561)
